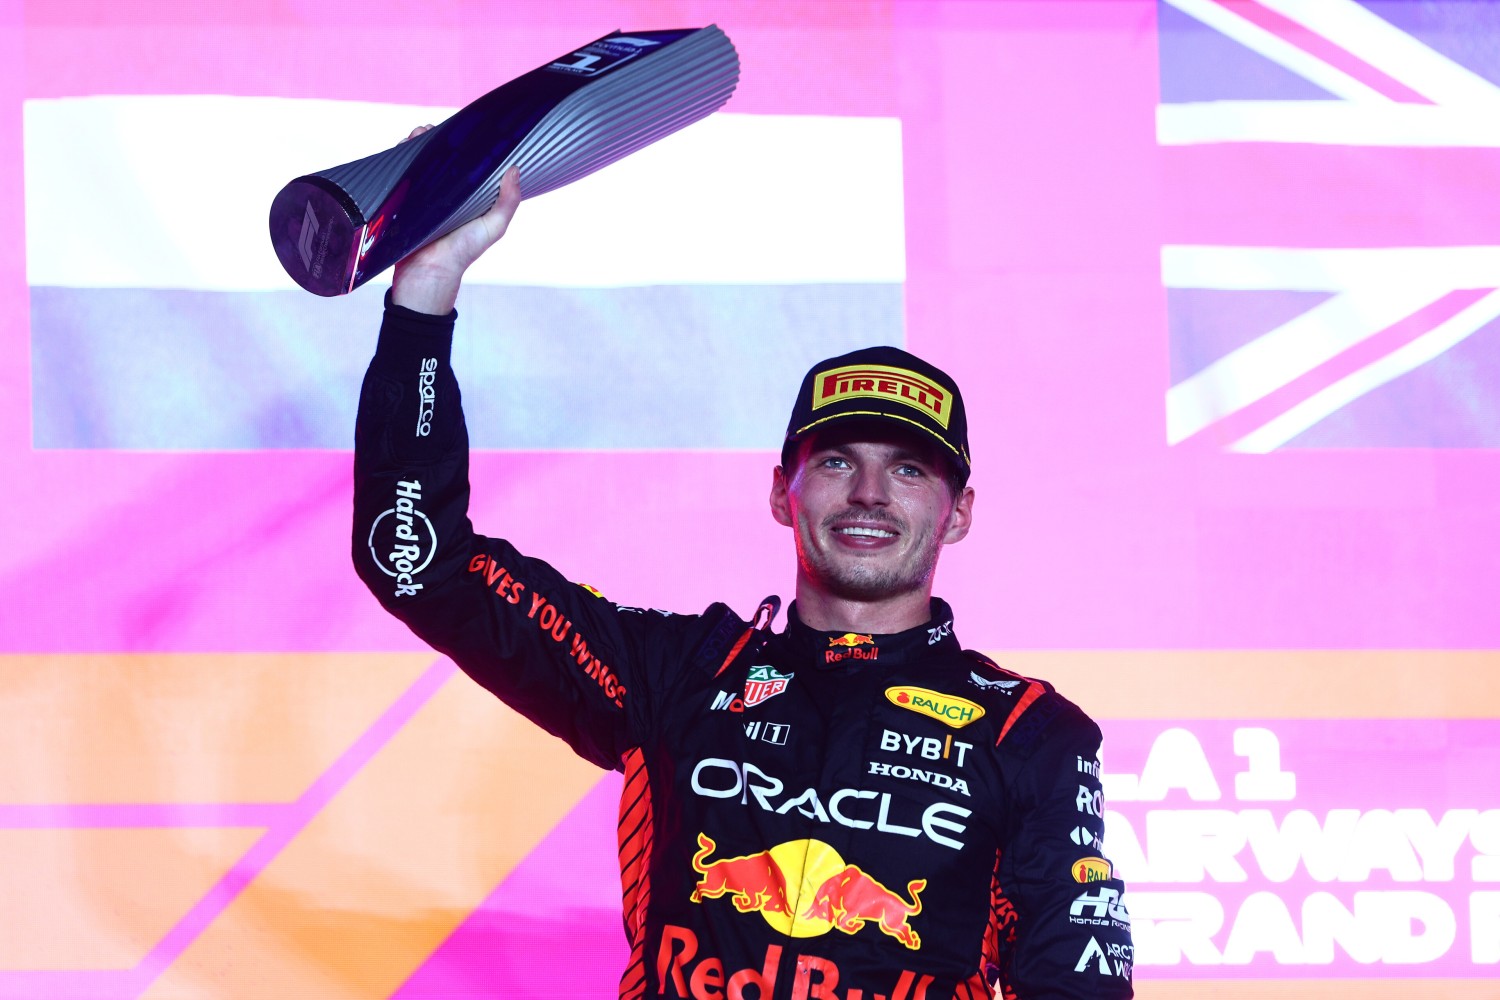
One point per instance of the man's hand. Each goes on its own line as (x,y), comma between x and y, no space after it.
(427,281)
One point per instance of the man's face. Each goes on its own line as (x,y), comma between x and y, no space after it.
(871,507)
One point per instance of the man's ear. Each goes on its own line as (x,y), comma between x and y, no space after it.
(963,516)
(781,505)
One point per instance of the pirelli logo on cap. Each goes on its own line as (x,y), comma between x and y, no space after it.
(882,382)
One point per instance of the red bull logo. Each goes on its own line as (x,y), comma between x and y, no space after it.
(851,639)
(1091,870)
(687,975)
(755,882)
(803,888)
(851,899)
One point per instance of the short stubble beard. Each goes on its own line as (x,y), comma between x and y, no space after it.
(861,579)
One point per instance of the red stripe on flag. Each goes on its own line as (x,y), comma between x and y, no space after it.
(1290,195)
(1322,48)
(1235,426)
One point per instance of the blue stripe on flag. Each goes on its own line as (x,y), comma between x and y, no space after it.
(1199,63)
(666,366)
(1453,401)
(1204,324)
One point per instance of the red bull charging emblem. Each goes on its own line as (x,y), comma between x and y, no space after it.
(851,646)
(851,639)
(803,888)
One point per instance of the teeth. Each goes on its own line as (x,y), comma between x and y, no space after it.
(869,532)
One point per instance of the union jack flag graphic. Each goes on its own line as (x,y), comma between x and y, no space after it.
(1330,238)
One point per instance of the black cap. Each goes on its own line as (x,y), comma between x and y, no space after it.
(882,383)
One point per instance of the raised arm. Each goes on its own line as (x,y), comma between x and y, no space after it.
(427,281)
(574,663)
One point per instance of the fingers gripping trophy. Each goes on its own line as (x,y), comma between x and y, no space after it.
(335,229)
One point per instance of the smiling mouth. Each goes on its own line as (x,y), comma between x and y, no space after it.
(863,532)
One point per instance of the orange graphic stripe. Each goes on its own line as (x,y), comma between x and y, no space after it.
(97,900)
(186,727)
(369,888)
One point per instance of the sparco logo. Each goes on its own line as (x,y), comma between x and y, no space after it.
(402,540)
(426,396)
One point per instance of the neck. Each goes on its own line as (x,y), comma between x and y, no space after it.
(827,612)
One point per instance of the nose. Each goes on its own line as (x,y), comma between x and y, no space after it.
(868,487)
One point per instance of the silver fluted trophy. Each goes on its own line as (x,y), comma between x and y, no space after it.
(335,229)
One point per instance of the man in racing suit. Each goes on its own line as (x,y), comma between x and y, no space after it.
(854,808)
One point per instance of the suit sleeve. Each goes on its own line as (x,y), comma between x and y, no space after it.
(1073,932)
(579,666)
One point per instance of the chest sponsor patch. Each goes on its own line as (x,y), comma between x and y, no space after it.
(1000,684)
(951,711)
(763,683)
(1091,870)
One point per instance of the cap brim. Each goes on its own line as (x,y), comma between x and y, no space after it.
(875,418)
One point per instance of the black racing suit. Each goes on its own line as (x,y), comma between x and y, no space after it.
(806,815)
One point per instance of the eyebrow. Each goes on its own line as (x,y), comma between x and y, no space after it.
(902,453)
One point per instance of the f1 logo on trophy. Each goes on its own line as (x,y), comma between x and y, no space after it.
(335,229)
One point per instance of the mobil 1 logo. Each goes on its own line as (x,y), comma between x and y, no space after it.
(402,539)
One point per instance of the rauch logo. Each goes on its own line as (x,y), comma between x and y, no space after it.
(955,712)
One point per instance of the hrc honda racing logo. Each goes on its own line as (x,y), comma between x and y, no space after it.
(1100,907)
(402,539)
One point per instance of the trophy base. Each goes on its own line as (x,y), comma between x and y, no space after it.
(319,236)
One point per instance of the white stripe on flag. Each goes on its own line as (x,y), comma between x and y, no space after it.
(1377,286)
(1278,50)
(1274,359)
(1379,43)
(1408,357)
(1326,123)
(1329,269)
(174,191)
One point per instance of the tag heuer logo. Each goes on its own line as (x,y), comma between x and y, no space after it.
(762,683)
